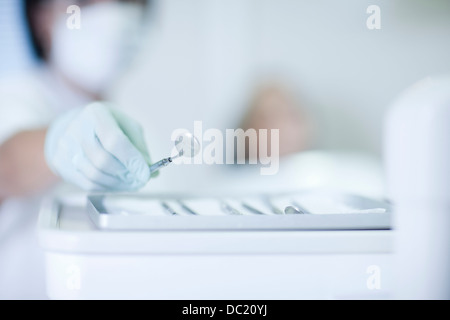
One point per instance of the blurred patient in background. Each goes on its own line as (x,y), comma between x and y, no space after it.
(76,68)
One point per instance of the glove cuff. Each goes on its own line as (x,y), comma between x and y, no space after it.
(54,133)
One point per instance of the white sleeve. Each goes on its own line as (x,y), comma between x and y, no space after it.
(22,107)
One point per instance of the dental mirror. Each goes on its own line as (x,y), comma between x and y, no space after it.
(186,144)
(291,210)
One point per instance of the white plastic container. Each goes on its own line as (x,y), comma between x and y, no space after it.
(83,262)
(417,158)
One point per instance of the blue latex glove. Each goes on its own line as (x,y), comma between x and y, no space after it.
(98,148)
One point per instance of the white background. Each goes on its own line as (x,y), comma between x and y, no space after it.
(204,57)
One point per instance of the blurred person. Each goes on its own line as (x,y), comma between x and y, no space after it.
(51,126)
(76,67)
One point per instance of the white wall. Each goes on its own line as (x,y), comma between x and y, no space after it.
(205,56)
(14,49)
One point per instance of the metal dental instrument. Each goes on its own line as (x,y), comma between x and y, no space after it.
(291,210)
(187,146)
(296,208)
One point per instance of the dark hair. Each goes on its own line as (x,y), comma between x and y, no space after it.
(29,6)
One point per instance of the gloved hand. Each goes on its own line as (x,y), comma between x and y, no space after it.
(98,148)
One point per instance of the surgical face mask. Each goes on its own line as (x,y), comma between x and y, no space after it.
(95,55)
